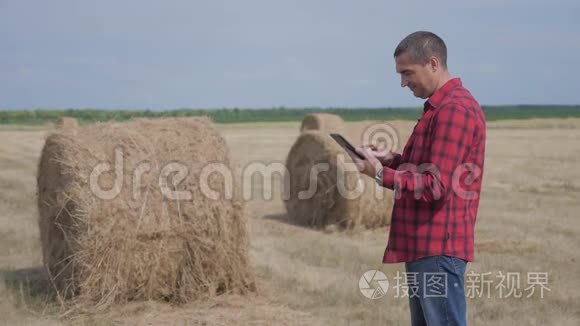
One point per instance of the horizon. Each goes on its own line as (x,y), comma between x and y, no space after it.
(576,106)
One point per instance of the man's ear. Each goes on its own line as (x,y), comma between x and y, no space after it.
(434,64)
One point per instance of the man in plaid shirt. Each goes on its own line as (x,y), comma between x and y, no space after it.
(437,183)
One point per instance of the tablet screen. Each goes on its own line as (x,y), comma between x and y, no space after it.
(346,145)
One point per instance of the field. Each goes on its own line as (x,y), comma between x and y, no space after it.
(528,223)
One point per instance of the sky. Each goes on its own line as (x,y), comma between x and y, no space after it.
(172,54)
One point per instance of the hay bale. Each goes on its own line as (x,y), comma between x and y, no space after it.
(140,244)
(67,123)
(322,122)
(370,207)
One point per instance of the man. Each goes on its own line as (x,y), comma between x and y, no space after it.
(437,182)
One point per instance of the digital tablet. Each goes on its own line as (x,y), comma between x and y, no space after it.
(346,145)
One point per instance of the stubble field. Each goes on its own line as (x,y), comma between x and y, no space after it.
(528,225)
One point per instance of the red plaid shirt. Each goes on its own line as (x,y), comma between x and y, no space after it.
(437,179)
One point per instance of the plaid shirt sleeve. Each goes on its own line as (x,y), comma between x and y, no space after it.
(394,163)
(449,138)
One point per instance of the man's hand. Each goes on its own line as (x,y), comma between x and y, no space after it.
(370,165)
(385,157)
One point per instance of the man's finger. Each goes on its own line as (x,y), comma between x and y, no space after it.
(357,161)
(371,146)
(353,157)
(381,153)
(362,151)
(366,152)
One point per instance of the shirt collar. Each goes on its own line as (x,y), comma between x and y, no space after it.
(441,93)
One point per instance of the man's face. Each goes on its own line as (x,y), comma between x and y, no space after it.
(419,78)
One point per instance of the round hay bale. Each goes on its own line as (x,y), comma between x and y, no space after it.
(322,122)
(67,123)
(339,194)
(132,232)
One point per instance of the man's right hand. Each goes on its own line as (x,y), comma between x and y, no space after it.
(385,157)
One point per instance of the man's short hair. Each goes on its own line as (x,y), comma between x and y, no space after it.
(420,46)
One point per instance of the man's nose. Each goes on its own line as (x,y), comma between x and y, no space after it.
(403,82)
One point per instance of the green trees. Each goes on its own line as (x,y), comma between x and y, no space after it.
(223,115)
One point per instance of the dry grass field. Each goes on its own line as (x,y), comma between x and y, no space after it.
(529,221)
